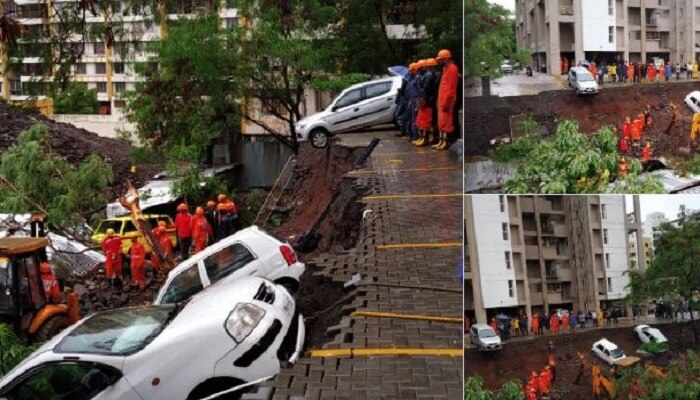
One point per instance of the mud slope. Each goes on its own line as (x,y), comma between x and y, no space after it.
(489,117)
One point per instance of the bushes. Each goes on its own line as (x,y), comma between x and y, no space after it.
(12,351)
(654,347)
(473,390)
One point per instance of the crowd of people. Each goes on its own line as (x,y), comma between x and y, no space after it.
(636,72)
(194,232)
(426,106)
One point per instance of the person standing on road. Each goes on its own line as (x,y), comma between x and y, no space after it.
(447,98)
(183,227)
(112,246)
(515,324)
(573,321)
(535,325)
(608,316)
(523,325)
(137,263)
(554,323)
(424,117)
(565,322)
(643,72)
(612,70)
(668,71)
(601,318)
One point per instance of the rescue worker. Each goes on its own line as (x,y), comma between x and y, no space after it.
(183,227)
(581,367)
(137,264)
(622,170)
(447,99)
(642,72)
(160,233)
(493,324)
(51,289)
(534,381)
(593,70)
(201,230)
(565,322)
(552,364)
(210,214)
(630,73)
(544,383)
(624,138)
(112,246)
(535,324)
(651,73)
(412,95)
(554,323)
(424,117)
(647,152)
(227,218)
(695,70)
(530,392)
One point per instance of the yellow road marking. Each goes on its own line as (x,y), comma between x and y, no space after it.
(374,171)
(401,153)
(386,352)
(378,314)
(418,245)
(395,161)
(411,196)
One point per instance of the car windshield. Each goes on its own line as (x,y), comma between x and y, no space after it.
(486,333)
(109,224)
(118,332)
(585,77)
(617,353)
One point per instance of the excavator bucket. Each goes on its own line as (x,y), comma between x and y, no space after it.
(695,127)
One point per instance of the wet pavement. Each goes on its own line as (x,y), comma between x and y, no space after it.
(519,85)
(407,253)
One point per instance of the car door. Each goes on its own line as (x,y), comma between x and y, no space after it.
(599,350)
(345,111)
(232,261)
(74,380)
(377,107)
(184,285)
(473,334)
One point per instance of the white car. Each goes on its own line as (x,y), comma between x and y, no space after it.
(649,334)
(692,100)
(227,337)
(362,105)
(608,351)
(582,81)
(249,251)
(506,68)
(483,337)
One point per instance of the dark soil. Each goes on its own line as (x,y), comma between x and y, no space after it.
(74,144)
(489,117)
(518,359)
(319,301)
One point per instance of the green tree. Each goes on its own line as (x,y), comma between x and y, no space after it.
(572,162)
(77,99)
(33,177)
(12,350)
(489,38)
(473,390)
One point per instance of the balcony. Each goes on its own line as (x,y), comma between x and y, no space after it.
(532,252)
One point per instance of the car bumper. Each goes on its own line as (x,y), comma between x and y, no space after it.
(491,347)
(587,91)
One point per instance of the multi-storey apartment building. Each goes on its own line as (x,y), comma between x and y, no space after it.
(539,253)
(606,30)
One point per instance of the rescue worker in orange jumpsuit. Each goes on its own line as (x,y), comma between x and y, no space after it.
(201,230)
(426,98)
(545,381)
(183,226)
(112,246)
(593,69)
(493,324)
(534,381)
(647,152)
(137,254)
(622,168)
(160,233)
(51,289)
(447,99)
(535,324)
(565,322)
(651,73)
(630,72)
(554,323)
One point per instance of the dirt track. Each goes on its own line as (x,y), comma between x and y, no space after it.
(518,359)
(489,117)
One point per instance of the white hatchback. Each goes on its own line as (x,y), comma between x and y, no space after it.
(648,334)
(692,100)
(582,81)
(608,351)
(230,336)
(248,252)
(359,106)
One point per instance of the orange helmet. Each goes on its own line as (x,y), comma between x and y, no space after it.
(412,67)
(182,207)
(221,197)
(199,211)
(45,268)
(162,225)
(443,54)
(211,203)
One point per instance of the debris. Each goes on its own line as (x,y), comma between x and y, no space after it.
(357,278)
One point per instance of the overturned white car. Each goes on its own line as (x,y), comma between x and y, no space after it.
(223,338)
(648,334)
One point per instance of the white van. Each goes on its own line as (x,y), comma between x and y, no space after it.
(582,81)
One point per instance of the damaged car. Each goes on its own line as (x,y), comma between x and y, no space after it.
(222,340)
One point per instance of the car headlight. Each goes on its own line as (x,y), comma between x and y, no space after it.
(300,127)
(242,320)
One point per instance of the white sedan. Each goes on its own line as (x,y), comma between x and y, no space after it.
(224,338)
(608,351)
(506,68)
(692,100)
(648,334)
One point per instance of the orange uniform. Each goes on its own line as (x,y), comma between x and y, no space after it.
(565,322)
(138,263)
(554,323)
(112,246)
(535,324)
(51,289)
(627,129)
(201,230)
(646,153)
(447,97)
(636,129)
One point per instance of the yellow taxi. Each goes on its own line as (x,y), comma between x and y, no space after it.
(124,227)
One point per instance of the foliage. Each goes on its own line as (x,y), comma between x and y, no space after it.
(12,350)
(680,381)
(338,84)
(489,37)
(686,167)
(654,347)
(77,99)
(522,146)
(33,177)
(473,390)
(571,162)
(195,188)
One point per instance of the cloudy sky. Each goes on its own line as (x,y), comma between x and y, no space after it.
(667,204)
(509,4)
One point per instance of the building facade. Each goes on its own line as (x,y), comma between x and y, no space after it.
(607,30)
(538,253)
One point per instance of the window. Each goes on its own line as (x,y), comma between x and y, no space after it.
(349,98)
(504,228)
(377,89)
(652,35)
(129,227)
(502,203)
(100,68)
(99,48)
(610,288)
(227,261)
(101,87)
(603,211)
(607,260)
(183,286)
(611,34)
(508,260)
(118,68)
(610,8)
(510,288)
(81,68)
(64,380)
(605,236)
(119,87)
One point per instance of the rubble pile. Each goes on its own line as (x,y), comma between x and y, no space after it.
(95,295)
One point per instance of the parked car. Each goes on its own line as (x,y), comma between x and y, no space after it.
(561,312)
(582,81)
(359,106)
(249,251)
(692,100)
(484,337)
(229,335)
(506,67)
(659,63)
(608,351)
(124,227)
(648,334)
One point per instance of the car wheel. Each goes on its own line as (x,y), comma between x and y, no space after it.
(291,285)
(319,138)
(216,385)
(51,327)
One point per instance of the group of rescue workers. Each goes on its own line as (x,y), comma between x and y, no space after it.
(426,105)
(630,141)
(637,72)
(194,232)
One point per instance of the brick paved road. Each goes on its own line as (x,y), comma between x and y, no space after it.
(395,168)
